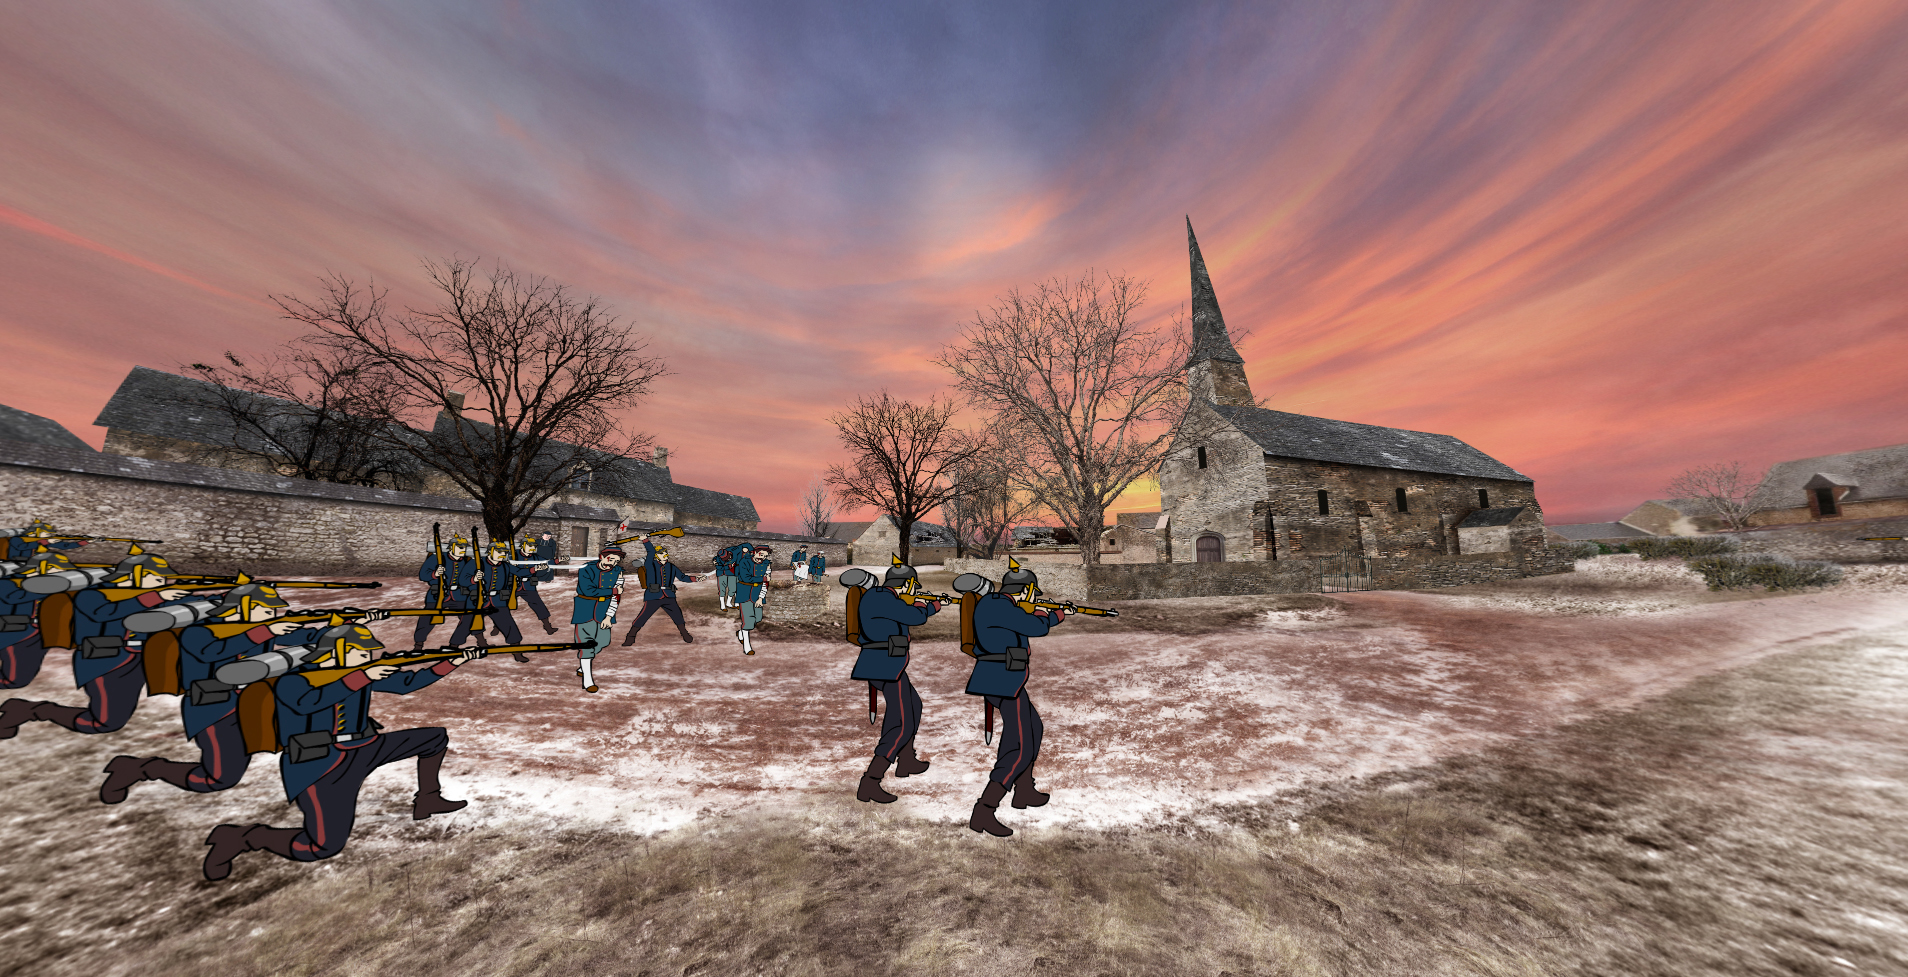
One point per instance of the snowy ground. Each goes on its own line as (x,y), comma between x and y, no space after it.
(1140,724)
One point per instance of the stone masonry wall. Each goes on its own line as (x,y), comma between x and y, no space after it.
(1363,505)
(1170,580)
(1218,498)
(695,551)
(1061,581)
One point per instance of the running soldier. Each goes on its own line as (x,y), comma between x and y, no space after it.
(725,571)
(751,589)
(1002,627)
(501,581)
(599,588)
(883,621)
(817,567)
(332,744)
(659,591)
(464,578)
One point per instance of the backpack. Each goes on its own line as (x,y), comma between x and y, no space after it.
(968,642)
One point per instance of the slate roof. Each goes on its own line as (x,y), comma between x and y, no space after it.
(1877,473)
(1491,517)
(848,531)
(18,425)
(1319,439)
(930,534)
(1596,530)
(704,502)
(158,403)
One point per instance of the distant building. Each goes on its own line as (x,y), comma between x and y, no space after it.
(1852,485)
(18,425)
(1594,532)
(1243,483)
(875,541)
(1134,538)
(1674,517)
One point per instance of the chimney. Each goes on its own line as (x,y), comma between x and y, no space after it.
(662,457)
(455,400)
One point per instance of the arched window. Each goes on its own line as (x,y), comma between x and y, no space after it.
(1403,506)
(1210,549)
(1483,498)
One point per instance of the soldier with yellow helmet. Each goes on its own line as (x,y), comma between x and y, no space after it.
(332,744)
(21,650)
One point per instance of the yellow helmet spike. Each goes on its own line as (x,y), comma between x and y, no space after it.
(244,578)
(896,558)
(1013,564)
(336,619)
(134,550)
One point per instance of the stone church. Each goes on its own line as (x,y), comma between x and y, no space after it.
(1244,483)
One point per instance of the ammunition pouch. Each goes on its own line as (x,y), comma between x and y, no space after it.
(102,646)
(209,692)
(1016,659)
(896,647)
(15,622)
(306,747)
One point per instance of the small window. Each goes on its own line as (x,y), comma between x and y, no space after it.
(1324,504)
(1271,535)
(1483,498)
(1402,505)
(1825,500)
(1202,457)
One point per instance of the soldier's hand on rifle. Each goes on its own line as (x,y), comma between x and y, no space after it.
(437,572)
(282,628)
(172,593)
(376,614)
(479,575)
(471,655)
(376,672)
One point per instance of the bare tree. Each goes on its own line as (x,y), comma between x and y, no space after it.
(1094,398)
(816,509)
(305,414)
(548,372)
(905,456)
(1724,488)
(983,517)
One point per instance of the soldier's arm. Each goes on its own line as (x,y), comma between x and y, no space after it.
(199,643)
(1031,624)
(425,573)
(403,682)
(304,698)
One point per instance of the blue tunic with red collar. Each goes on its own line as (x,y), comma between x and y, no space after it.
(201,654)
(342,708)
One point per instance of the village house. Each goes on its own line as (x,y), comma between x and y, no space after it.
(1852,485)
(1244,483)
(876,541)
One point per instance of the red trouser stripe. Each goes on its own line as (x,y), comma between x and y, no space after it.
(900,703)
(318,830)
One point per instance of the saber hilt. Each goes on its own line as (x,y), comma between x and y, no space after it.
(871,704)
(987,735)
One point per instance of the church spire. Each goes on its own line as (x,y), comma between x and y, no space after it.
(1215,371)
(1210,340)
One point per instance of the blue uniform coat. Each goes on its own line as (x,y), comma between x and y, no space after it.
(337,707)
(458,574)
(999,623)
(94,616)
(749,578)
(593,586)
(504,582)
(817,565)
(201,654)
(884,615)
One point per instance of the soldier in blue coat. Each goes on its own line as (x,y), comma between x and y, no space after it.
(531,549)
(599,588)
(214,726)
(751,592)
(106,656)
(659,591)
(883,621)
(21,651)
(332,744)
(21,548)
(1002,628)
(465,579)
(798,562)
(499,589)
(817,567)
(725,571)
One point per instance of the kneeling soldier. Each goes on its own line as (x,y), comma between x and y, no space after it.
(331,746)
(21,649)
(1002,626)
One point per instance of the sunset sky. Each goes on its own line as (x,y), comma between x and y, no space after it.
(1602,242)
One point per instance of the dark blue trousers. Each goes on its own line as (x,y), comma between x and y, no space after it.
(505,620)
(20,661)
(535,600)
(903,719)
(112,698)
(1020,731)
(330,806)
(458,634)
(667,604)
(222,756)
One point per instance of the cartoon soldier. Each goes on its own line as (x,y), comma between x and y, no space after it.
(884,617)
(531,549)
(725,571)
(1002,626)
(21,650)
(659,591)
(598,587)
(798,561)
(751,589)
(22,547)
(332,744)
(502,580)
(106,656)
(817,567)
(464,577)
(214,726)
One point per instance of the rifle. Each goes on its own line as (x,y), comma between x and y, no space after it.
(675,531)
(228,629)
(1877,539)
(943,598)
(325,676)
(1029,605)
(100,539)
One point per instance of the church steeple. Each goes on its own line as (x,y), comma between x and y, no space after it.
(1215,371)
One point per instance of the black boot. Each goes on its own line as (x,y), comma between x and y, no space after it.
(13,713)
(908,764)
(1024,793)
(430,798)
(547,629)
(59,715)
(983,817)
(124,771)
(870,789)
(229,841)
(630,638)
(687,638)
(520,657)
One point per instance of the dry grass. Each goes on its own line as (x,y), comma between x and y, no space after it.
(1748,824)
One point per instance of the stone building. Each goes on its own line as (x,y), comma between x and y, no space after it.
(18,425)
(166,417)
(1853,485)
(1244,483)
(873,541)
(1134,538)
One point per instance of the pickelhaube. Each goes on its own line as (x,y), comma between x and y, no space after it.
(899,574)
(240,600)
(1018,578)
(46,560)
(499,549)
(137,558)
(341,637)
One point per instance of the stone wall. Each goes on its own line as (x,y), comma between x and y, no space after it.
(792,601)
(695,551)
(1363,509)
(1217,499)
(1876,509)
(1062,581)
(219,520)
(1831,539)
